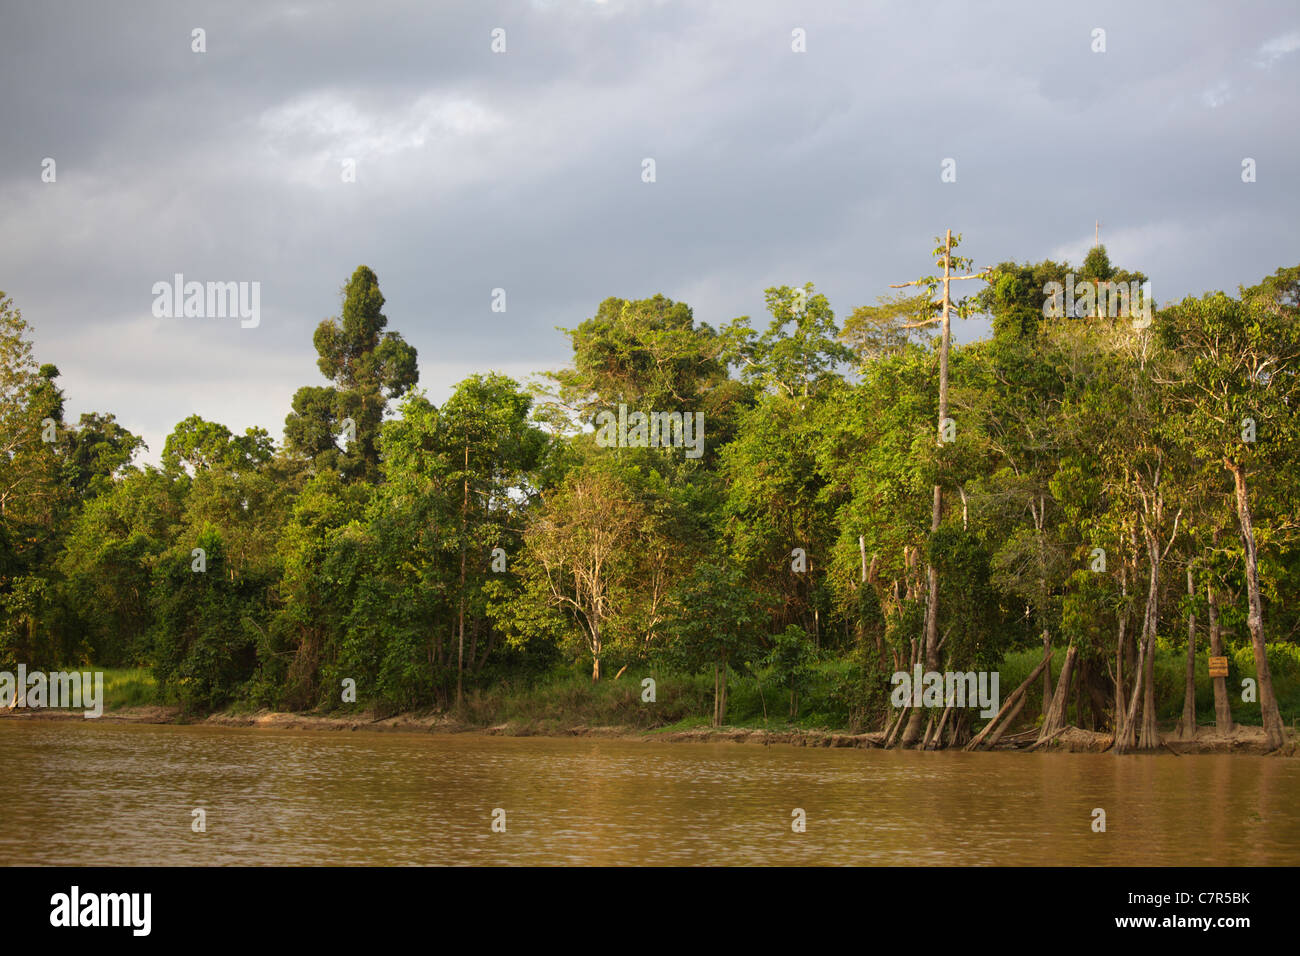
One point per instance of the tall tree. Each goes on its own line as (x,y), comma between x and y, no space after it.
(490,449)
(31,411)
(716,622)
(945,307)
(368,367)
(799,351)
(583,542)
(1237,378)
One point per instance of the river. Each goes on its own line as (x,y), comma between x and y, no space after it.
(90,792)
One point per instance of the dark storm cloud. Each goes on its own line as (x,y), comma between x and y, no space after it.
(523,170)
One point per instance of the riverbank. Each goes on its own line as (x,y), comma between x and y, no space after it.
(1246,739)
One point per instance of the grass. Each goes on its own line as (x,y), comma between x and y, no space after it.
(128,687)
(566,698)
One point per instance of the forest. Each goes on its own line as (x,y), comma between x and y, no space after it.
(800,505)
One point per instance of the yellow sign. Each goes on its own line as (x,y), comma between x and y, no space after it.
(1218,667)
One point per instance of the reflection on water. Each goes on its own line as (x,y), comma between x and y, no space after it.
(85,793)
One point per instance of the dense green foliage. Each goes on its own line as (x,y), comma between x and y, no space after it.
(456,556)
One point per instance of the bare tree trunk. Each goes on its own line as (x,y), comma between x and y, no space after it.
(1149,737)
(1121,649)
(460,643)
(931,645)
(929,730)
(460,652)
(1188,727)
(722,710)
(1012,705)
(902,719)
(1054,715)
(1047,674)
(912,729)
(936,512)
(1011,719)
(1222,706)
(1126,741)
(936,741)
(1079,679)
(1273,730)
(959,733)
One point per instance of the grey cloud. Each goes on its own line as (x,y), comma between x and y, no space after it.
(522,170)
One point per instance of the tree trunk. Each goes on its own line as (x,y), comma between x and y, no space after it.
(1011,719)
(959,732)
(719,693)
(460,641)
(902,719)
(1255,619)
(460,651)
(1222,706)
(722,714)
(936,511)
(1016,701)
(1054,715)
(931,645)
(1121,652)
(1079,678)
(1188,727)
(1047,674)
(912,729)
(1149,738)
(933,743)
(1144,736)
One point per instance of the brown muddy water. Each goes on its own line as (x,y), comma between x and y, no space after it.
(92,793)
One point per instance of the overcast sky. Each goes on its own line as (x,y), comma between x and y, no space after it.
(522,170)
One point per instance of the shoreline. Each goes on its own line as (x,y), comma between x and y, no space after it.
(1245,739)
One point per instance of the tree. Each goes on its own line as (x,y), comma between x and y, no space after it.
(1011,401)
(875,331)
(307,628)
(648,353)
(1236,376)
(108,559)
(205,625)
(774,505)
(368,367)
(583,541)
(31,409)
(98,448)
(487,449)
(798,352)
(652,356)
(792,658)
(1014,297)
(716,622)
(198,445)
(873,454)
(945,307)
